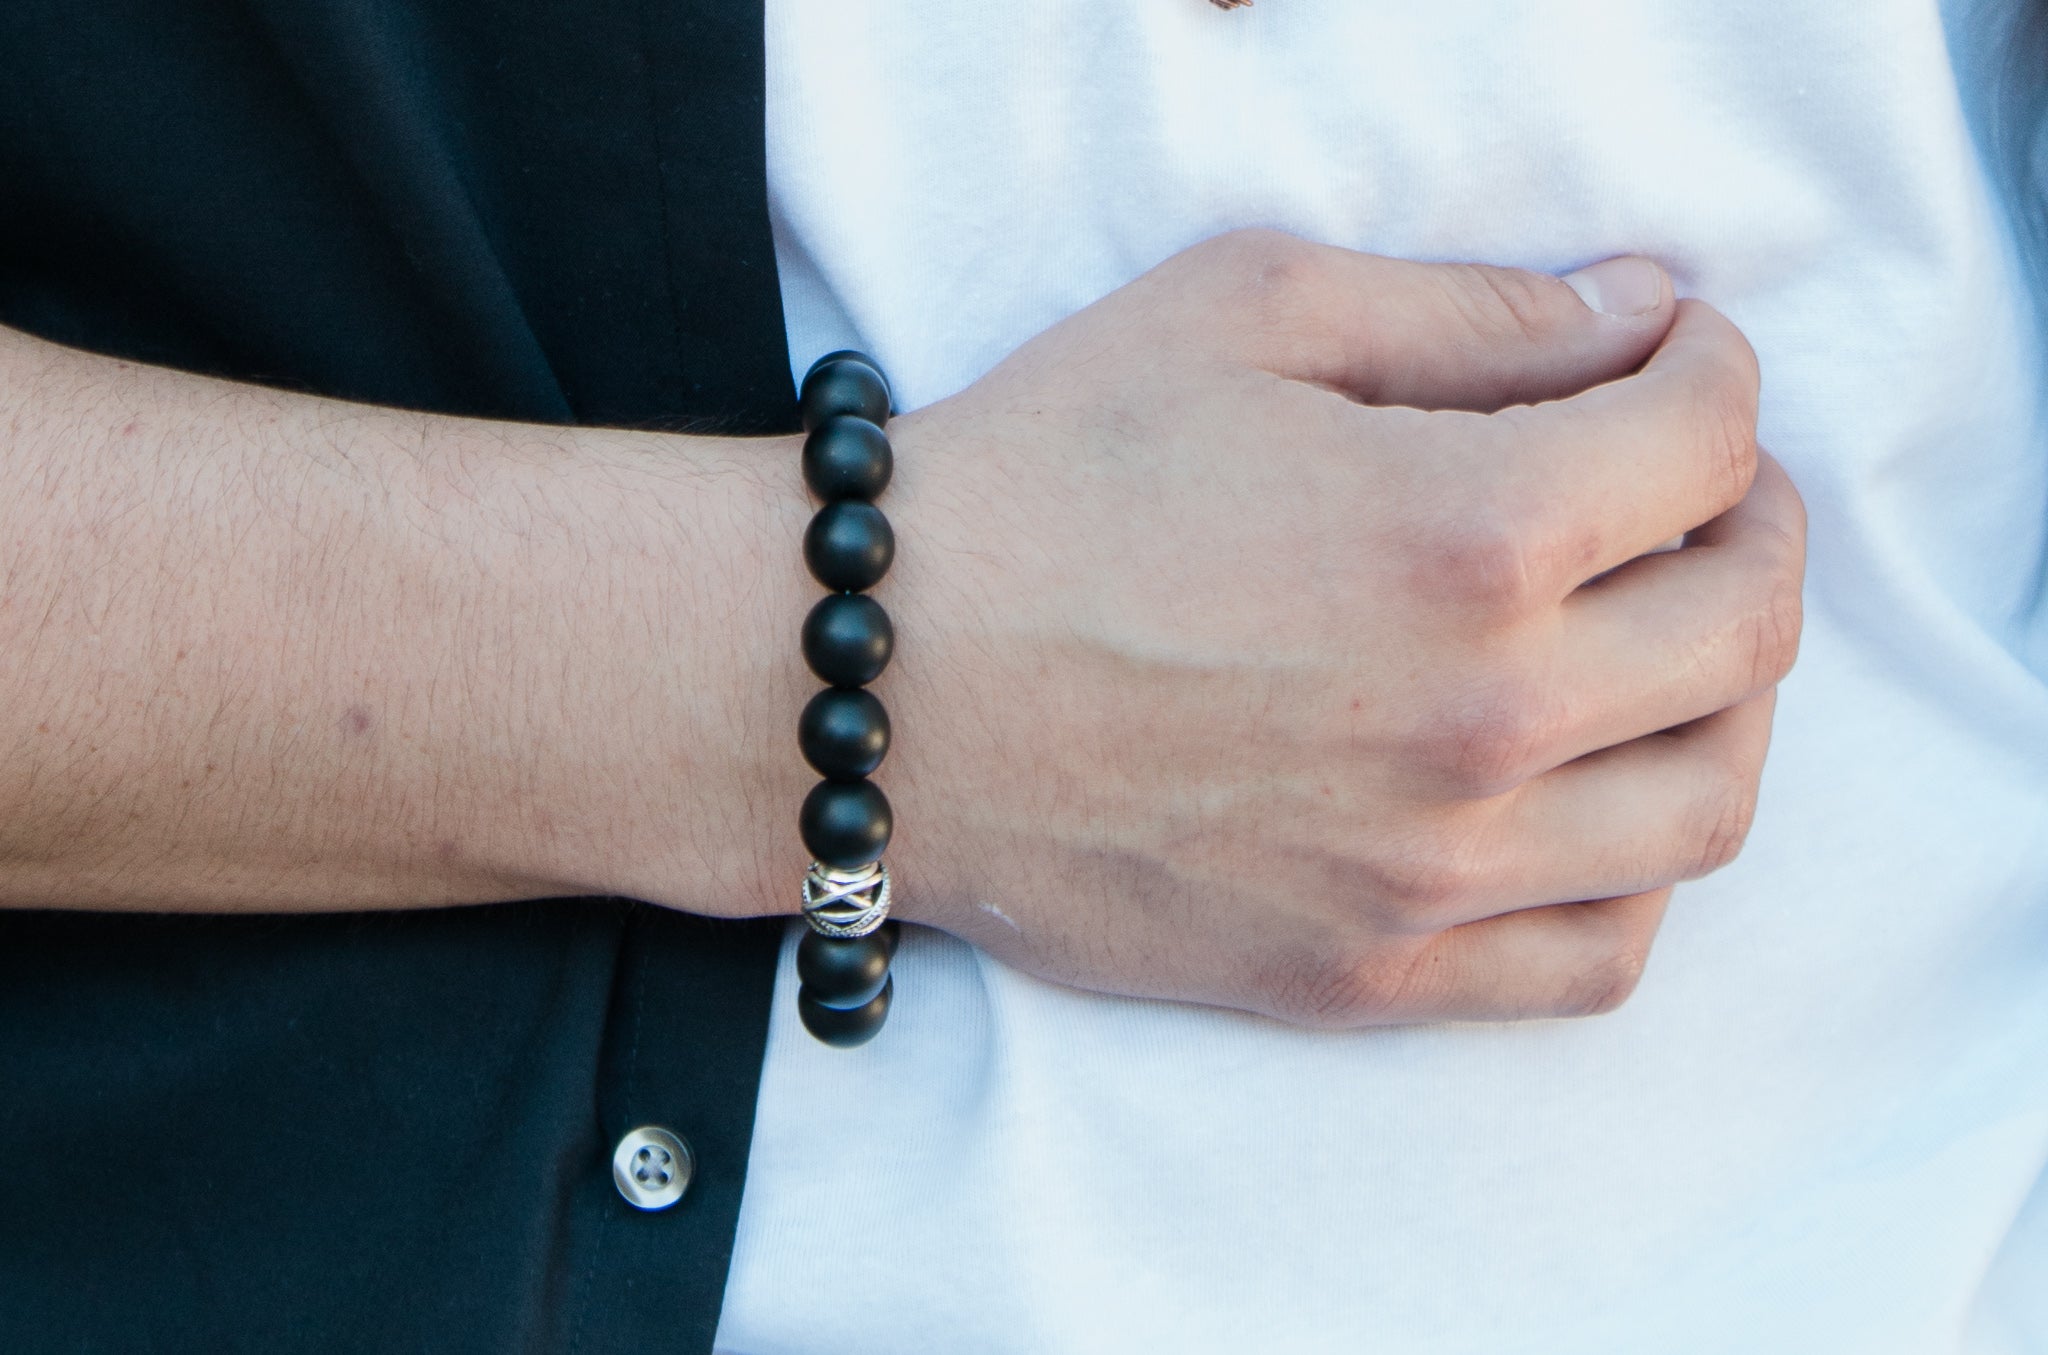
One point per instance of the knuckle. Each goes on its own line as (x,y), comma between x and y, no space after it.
(1254,243)
(1770,639)
(1722,415)
(1721,824)
(1606,985)
(1493,741)
(1348,984)
(1415,883)
(1744,369)
(1506,303)
(1275,272)
(1794,531)
(1484,561)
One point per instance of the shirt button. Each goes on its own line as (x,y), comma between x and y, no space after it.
(652,1166)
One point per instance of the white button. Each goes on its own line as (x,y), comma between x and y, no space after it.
(651,1167)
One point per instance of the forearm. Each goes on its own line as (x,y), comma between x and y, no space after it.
(263,650)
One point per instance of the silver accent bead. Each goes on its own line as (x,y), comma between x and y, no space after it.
(846,903)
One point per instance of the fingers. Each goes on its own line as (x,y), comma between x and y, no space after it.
(1432,336)
(1609,433)
(1572,959)
(1574,871)
(1593,481)
(1634,818)
(1680,634)
(1773,508)
(1649,813)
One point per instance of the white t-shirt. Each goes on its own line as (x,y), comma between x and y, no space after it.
(1821,1124)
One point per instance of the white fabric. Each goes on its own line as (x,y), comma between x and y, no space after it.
(1816,1126)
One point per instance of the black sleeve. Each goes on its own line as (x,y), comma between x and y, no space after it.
(385,1132)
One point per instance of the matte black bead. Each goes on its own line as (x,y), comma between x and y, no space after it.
(844,972)
(848,639)
(844,383)
(849,546)
(845,823)
(844,734)
(845,1029)
(847,458)
(837,355)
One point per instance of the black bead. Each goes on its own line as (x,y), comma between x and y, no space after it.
(844,383)
(845,1029)
(837,355)
(844,972)
(849,546)
(847,458)
(845,823)
(848,639)
(844,734)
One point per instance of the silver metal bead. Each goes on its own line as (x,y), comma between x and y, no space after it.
(846,903)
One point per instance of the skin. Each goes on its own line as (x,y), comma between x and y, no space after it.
(1276,633)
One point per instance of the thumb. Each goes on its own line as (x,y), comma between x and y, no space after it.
(1460,336)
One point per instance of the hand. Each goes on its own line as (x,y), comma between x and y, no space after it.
(1282,632)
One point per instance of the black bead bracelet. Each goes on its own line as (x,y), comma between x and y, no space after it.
(843,959)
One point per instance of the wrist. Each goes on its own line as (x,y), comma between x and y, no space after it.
(656,584)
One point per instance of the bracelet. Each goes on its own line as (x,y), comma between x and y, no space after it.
(843,959)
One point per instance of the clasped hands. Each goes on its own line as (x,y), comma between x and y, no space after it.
(1288,631)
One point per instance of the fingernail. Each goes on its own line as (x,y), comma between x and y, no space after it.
(1624,286)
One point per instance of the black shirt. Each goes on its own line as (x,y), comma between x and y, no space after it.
(391,1131)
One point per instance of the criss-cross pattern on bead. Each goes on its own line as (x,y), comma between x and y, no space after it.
(846,904)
